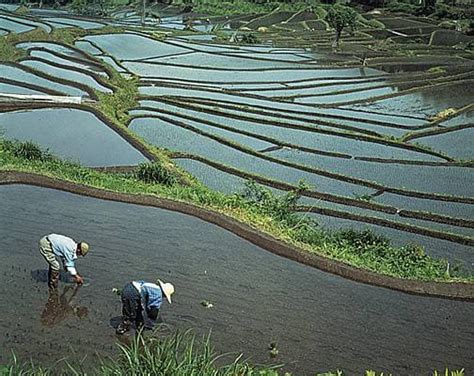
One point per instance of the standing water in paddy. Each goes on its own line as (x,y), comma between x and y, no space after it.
(167,112)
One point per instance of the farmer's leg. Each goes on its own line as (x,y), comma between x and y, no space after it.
(139,320)
(47,252)
(131,307)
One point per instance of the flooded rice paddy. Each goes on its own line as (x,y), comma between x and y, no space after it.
(258,297)
(364,134)
(71,134)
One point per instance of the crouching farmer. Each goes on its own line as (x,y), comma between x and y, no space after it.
(53,247)
(142,300)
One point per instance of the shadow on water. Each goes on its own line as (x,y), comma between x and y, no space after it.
(41,275)
(115,321)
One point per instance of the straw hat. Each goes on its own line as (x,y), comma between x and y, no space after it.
(84,248)
(167,288)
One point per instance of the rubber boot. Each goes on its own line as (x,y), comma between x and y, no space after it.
(53,279)
(123,327)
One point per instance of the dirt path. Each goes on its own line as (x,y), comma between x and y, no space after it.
(319,321)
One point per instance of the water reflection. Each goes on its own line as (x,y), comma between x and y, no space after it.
(60,306)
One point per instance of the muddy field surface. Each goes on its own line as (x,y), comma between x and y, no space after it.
(319,321)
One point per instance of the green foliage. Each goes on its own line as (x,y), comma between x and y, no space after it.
(8,51)
(115,105)
(22,9)
(436,70)
(156,172)
(403,261)
(281,208)
(249,38)
(402,7)
(340,17)
(444,11)
(229,7)
(17,369)
(26,150)
(362,241)
(78,6)
(448,372)
(180,354)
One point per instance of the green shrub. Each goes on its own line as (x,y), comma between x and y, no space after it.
(281,208)
(8,51)
(22,9)
(320,12)
(436,70)
(156,172)
(445,11)
(78,6)
(362,240)
(249,39)
(402,7)
(26,150)
(340,17)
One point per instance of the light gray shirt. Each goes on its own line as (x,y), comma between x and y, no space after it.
(65,248)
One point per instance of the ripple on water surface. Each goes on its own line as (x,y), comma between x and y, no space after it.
(14,89)
(132,46)
(18,74)
(457,144)
(16,27)
(73,134)
(166,135)
(66,74)
(75,22)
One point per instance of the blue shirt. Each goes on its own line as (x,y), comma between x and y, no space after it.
(150,293)
(65,248)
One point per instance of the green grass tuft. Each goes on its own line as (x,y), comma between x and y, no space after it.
(156,172)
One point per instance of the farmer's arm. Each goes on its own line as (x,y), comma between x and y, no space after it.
(70,267)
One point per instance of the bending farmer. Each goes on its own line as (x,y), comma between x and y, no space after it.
(56,246)
(141,299)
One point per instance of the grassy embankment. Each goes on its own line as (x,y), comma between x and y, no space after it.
(257,206)
(179,354)
(220,8)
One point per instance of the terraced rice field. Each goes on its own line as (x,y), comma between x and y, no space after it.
(365,133)
(359,134)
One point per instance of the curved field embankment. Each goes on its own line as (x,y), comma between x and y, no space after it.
(464,291)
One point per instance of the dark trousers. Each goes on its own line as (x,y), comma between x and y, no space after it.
(131,305)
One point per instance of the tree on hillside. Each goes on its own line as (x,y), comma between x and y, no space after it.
(339,17)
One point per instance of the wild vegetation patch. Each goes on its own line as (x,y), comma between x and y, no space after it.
(179,354)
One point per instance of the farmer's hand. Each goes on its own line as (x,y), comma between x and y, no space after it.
(78,279)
